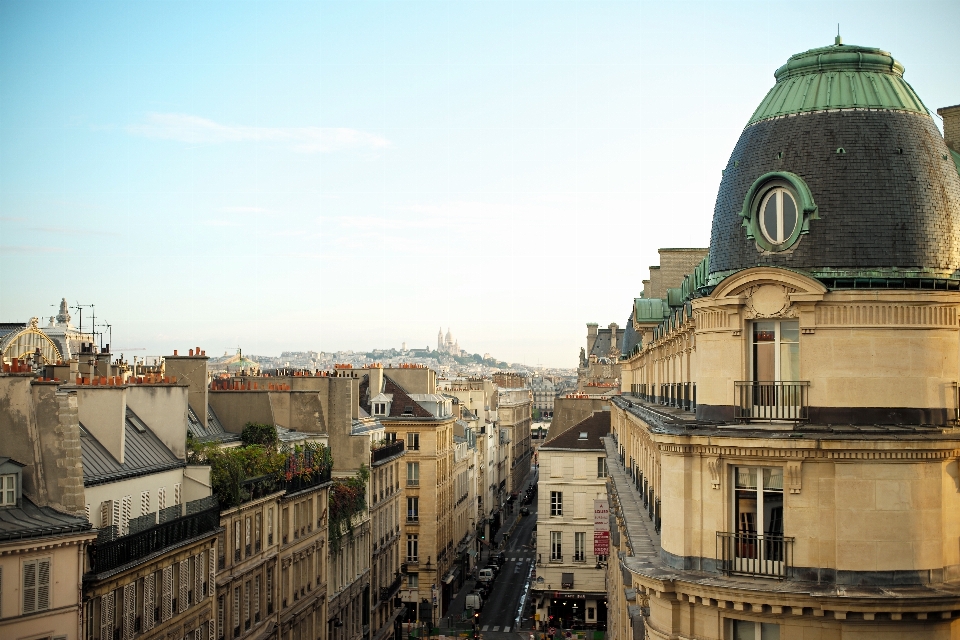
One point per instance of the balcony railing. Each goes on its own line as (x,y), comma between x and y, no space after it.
(773,400)
(108,554)
(754,554)
(388,592)
(682,395)
(386,451)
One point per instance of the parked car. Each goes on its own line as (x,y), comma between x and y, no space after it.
(500,559)
(524,511)
(474,601)
(486,575)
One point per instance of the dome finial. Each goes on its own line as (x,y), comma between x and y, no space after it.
(838,40)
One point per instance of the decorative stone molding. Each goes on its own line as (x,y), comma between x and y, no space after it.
(714,465)
(793,474)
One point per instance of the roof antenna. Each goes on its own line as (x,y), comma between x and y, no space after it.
(838,40)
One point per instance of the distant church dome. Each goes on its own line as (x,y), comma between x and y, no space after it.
(841,173)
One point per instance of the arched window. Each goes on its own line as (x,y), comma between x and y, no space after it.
(778,215)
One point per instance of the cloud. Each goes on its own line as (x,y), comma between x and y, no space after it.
(196,130)
(15,249)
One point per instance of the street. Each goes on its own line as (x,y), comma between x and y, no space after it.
(501,613)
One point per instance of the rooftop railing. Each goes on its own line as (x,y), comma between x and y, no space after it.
(772,400)
(110,552)
(386,451)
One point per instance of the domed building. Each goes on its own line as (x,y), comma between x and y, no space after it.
(788,436)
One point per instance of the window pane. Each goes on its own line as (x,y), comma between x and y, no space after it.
(744,630)
(769,631)
(789,215)
(764,331)
(790,331)
(790,366)
(768,221)
(764,361)
(746,478)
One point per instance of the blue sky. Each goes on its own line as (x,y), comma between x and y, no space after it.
(353,175)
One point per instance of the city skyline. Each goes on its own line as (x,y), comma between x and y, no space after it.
(340,176)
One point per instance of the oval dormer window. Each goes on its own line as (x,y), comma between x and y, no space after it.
(778,216)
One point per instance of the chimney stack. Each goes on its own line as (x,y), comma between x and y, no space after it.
(951,126)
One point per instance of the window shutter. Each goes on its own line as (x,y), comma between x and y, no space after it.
(220,605)
(556,466)
(197,634)
(579,467)
(211,630)
(236,607)
(579,505)
(182,597)
(129,610)
(212,584)
(106,513)
(29,586)
(256,595)
(176,493)
(43,584)
(144,503)
(125,513)
(148,598)
(166,594)
(198,571)
(106,616)
(161,498)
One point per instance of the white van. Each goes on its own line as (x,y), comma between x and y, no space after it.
(473,601)
(486,575)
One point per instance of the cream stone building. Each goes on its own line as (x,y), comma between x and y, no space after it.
(783,459)
(515,415)
(571,585)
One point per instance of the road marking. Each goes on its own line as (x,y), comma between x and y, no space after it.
(506,629)
(484,627)
(495,628)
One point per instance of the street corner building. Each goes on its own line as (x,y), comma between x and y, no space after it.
(783,459)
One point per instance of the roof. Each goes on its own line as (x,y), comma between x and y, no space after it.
(650,310)
(595,427)
(838,77)
(401,400)
(213,432)
(30,521)
(143,454)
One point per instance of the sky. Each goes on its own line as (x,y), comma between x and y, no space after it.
(284,176)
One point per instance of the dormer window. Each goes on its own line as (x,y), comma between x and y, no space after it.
(778,216)
(583,435)
(379,408)
(8,490)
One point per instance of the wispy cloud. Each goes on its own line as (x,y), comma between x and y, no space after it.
(13,249)
(196,130)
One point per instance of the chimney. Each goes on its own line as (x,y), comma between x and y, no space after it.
(951,126)
(375,384)
(103,411)
(191,370)
(591,336)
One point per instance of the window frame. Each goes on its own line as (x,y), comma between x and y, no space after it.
(556,546)
(778,192)
(755,197)
(556,504)
(11,492)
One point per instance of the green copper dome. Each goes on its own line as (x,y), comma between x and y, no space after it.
(838,77)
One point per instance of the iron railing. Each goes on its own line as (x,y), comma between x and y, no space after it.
(110,554)
(772,400)
(387,592)
(386,451)
(682,395)
(754,554)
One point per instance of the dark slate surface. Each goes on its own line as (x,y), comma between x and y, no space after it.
(214,431)
(143,453)
(596,427)
(630,336)
(877,208)
(31,521)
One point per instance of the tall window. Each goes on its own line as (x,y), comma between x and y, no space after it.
(269,526)
(556,503)
(579,546)
(601,467)
(413,474)
(776,350)
(413,441)
(749,630)
(8,490)
(413,550)
(36,585)
(759,512)
(413,580)
(413,509)
(556,547)
(379,408)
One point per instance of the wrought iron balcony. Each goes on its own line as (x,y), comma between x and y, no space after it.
(754,554)
(386,451)
(772,400)
(107,554)
(388,592)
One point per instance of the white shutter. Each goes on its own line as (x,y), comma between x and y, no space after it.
(220,620)
(198,571)
(106,616)
(144,503)
(161,498)
(166,594)
(149,584)
(182,600)
(129,610)
(236,607)
(196,634)
(106,513)
(211,630)
(556,466)
(176,493)
(579,505)
(43,584)
(256,595)
(212,584)
(29,586)
(125,513)
(579,467)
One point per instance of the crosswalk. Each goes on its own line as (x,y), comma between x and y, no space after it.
(496,628)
